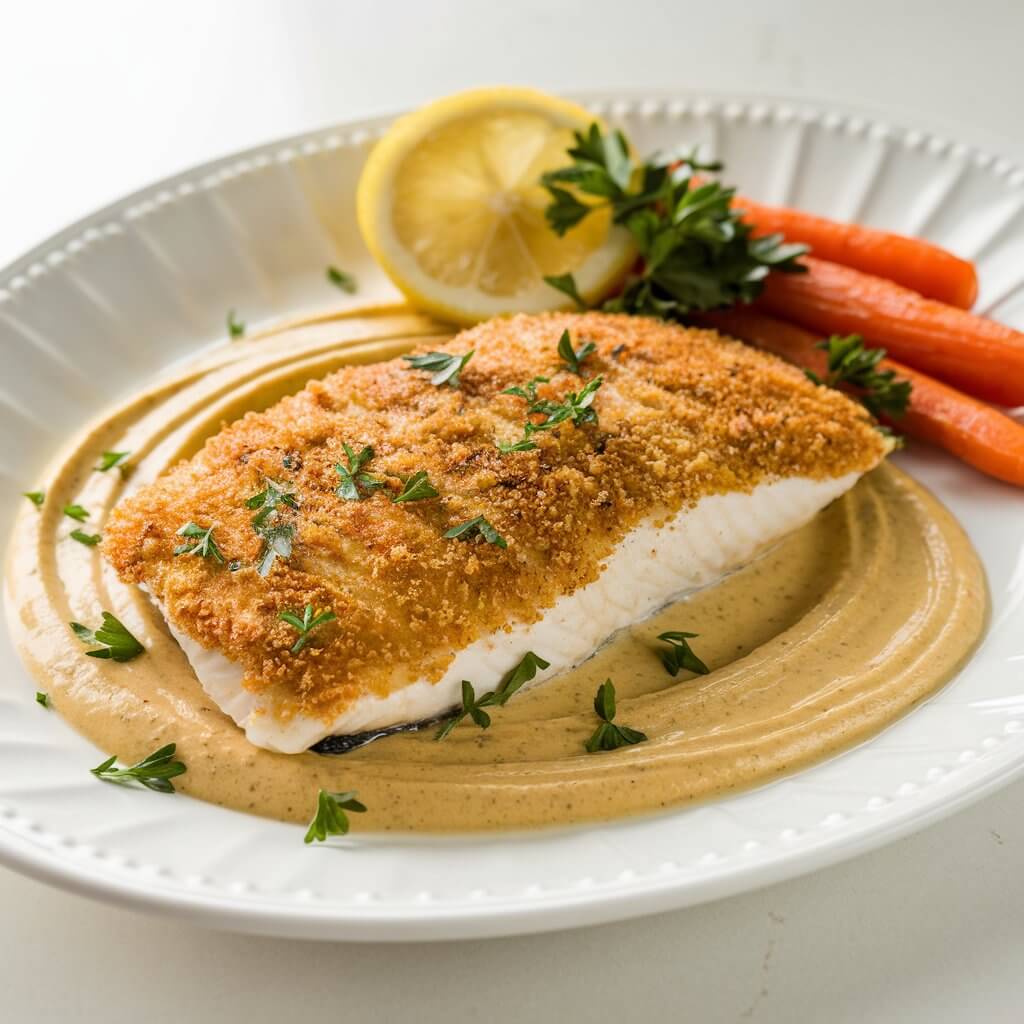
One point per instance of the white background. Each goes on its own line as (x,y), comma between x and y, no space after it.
(99,98)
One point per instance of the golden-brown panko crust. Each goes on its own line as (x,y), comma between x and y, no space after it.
(682,413)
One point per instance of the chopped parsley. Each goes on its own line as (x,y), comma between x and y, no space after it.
(472,527)
(608,735)
(277,543)
(154,772)
(331,819)
(90,540)
(576,407)
(200,542)
(76,512)
(36,497)
(473,708)
(527,391)
(236,328)
(444,368)
(115,642)
(679,657)
(108,460)
(416,488)
(306,623)
(346,282)
(277,537)
(42,699)
(354,479)
(572,357)
(269,500)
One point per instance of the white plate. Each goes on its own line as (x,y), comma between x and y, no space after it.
(100,308)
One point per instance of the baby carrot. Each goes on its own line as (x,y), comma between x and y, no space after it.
(911,262)
(981,436)
(980,356)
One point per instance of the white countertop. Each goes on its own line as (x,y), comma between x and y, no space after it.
(101,98)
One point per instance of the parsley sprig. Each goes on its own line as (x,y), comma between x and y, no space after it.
(444,368)
(852,363)
(354,478)
(679,657)
(572,357)
(115,642)
(477,525)
(108,460)
(340,279)
(154,772)
(608,735)
(697,252)
(200,543)
(576,407)
(309,620)
(331,819)
(277,537)
(472,707)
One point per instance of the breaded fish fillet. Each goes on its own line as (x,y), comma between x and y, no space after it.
(695,453)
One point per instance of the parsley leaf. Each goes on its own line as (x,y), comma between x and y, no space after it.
(76,512)
(577,406)
(90,540)
(305,624)
(108,460)
(566,284)
(269,500)
(353,476)
(236,328)
(154,772)
(416,488)
(346,282)
(850,362)
(473,707)
(679,656)
(277,543)
(525,671)
(476,525)
(331,819)
(116,643)
(527,391)
(204,547)
(571,358)
(36,497)
(608,736)
(42,698)
(444,368)
(697,252)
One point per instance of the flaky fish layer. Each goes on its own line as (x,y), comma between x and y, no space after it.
(681,415)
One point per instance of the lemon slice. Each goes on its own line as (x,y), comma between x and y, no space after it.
(450,205)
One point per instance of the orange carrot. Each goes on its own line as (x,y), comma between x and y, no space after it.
(981,436)
(911,262)
(980,356)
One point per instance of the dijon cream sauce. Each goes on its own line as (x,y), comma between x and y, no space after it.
(819,644)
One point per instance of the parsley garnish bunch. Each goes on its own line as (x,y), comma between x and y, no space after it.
(696,251)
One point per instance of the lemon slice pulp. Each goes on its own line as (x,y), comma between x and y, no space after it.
(450,204)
